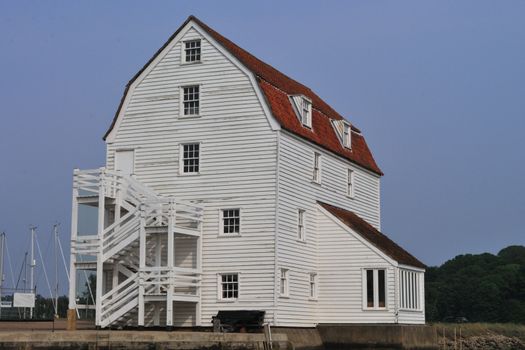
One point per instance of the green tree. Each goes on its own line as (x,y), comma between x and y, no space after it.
(482,287)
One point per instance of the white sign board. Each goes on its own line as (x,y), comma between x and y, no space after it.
(23,300)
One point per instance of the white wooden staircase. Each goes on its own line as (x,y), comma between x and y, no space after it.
(134,221)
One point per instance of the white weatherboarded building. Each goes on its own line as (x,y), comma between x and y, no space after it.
(230,186)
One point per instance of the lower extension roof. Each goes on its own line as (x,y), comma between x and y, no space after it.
(372,235)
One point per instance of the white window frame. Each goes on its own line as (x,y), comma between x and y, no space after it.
(219,287)
(313,286)
(306,112)
(181,159)
(284,287)
(410,290)
(317,173)
(347,135)
(301,225)
(181,105)
(183,51)
(375,289)
(221,223)
(350,183)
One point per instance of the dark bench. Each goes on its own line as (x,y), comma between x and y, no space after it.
(238,321)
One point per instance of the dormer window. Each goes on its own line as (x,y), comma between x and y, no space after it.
(347,135)
(192,51)
(306,113)
(303,109)
(343,130)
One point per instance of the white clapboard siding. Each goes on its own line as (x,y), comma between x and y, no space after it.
(341,259)
(183,314)
(298,191)
(237,169)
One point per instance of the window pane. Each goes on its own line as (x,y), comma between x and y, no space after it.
(230,286)
(312,285)
(190,158)
(284,282)
(191,100)
(192,51)
(300,225)
(370,288)
(381,287)
(231,221)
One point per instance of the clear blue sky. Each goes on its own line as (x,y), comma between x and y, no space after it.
(437,87)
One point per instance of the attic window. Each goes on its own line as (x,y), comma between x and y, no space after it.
(347,135)
(306,112)
(192,51)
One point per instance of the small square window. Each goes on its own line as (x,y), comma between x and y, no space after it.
(191,100)
(231,222)
(192,51)
(229,286)
(190,156)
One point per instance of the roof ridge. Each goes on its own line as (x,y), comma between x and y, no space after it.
(260,71)
(208,28)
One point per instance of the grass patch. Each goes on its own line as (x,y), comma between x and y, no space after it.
(481,329)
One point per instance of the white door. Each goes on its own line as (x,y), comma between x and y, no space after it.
(124,162)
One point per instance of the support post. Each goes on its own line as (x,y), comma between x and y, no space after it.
(171,264)
(114,282)
(158,263)
(199,283)
(71,315)
(142,265)
(100,261)
(118,204)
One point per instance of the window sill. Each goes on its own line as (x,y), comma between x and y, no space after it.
(226,301)
(190,63)
(375,309)
(226,235)
(350,196)
(284,296)
(313,299)
(190,116)
(189,174)
(301,241)
(411,310)
(317,183)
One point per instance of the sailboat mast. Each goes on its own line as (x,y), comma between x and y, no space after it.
(56,269)
(2,249)
(32,267)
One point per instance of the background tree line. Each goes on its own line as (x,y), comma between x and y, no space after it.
(481,288)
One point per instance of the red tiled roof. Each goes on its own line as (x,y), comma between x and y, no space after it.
(276,87)
(322,132)
(372,235)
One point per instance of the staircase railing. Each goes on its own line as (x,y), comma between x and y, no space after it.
(119,300)
(143,209)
